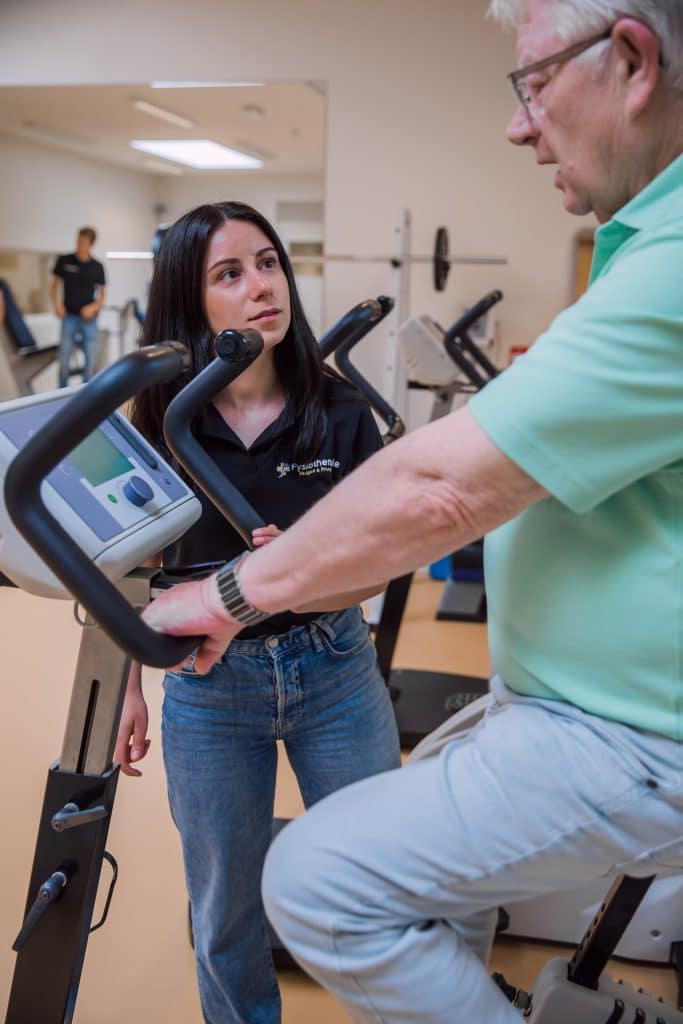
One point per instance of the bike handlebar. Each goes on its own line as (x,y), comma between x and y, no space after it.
(396,426)
(43,452)
(361,318)
(235,351)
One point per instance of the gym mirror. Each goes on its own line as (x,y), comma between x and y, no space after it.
(102,156)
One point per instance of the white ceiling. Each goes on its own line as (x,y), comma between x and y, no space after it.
(99,122)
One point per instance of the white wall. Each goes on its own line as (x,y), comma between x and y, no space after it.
(417,104)
(266,193)
(263,191)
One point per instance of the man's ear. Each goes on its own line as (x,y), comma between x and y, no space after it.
(639,62)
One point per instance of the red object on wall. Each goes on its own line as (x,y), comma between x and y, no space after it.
(516,350)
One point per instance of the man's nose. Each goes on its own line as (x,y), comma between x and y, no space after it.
(522,129)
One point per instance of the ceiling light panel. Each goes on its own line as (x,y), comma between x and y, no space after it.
(202,154)
(205,85)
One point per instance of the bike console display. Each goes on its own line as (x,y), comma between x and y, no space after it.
(114,494)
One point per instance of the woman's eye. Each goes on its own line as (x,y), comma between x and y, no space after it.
(229,272)
(269,262)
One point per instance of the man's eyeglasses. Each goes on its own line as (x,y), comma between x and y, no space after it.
(525,92)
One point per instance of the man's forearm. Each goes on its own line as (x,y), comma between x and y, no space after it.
(441,487)
(337,602)
(422,497)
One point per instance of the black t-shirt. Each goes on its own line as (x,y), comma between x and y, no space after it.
(80,280)
(275,484)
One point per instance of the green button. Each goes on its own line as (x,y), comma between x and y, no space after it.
(112,499)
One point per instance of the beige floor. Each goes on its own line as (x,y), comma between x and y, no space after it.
(139,966)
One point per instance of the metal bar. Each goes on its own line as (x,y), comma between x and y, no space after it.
(396,261)
(99,688)
(606,929)
(350,258)
(395,376)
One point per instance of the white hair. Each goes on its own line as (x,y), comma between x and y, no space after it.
(574,18)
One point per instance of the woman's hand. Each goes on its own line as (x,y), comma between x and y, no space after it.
(263,535)
(132,743)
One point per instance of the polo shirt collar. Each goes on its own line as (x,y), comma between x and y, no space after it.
(658,203)
(210,423)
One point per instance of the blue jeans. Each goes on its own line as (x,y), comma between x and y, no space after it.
(316,687)
(75,328)
(387,892)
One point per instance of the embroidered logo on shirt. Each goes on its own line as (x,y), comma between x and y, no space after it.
(307,468)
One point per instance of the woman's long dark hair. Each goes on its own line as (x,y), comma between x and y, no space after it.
(175,312)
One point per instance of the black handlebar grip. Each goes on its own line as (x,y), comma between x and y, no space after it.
(343,362)
(236,350)
(457,338)
(362,317)
(43,452)
(474,313)
(386,304)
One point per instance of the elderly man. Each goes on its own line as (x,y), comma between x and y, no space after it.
(572,463)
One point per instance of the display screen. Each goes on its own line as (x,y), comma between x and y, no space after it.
(98,460)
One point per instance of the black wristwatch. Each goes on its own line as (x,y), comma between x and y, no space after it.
(233,597)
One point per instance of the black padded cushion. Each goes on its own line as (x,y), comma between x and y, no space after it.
(14,321)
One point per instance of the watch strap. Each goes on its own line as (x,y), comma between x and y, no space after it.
(232,595)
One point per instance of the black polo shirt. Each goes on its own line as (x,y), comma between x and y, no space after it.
(80,280)
(277,485)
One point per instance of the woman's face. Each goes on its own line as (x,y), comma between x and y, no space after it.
(244,283)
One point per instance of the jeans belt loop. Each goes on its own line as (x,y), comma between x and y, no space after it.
(318,626)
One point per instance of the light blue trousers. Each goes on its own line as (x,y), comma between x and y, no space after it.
(386,892)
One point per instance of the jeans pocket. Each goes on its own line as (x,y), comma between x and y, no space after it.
(346,639)
(342,647)
(187,672)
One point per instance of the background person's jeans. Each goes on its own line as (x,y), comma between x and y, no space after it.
(386,892)
(317,688)
(75,327)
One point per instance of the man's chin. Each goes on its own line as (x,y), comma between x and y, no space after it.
(575,204)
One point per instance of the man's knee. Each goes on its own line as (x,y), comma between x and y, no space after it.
(288,882)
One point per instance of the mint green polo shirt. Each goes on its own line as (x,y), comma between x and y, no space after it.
(585,588)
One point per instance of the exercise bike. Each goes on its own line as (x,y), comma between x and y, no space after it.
(578,992)
(86,500)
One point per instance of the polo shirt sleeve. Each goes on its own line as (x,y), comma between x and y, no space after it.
(57,270)
(597,403)
(99,276)
(367,439)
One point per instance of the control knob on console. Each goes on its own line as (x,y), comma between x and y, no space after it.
(138,491)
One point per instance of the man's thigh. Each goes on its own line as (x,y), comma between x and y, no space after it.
(69,329)
(89,330)
(526,803)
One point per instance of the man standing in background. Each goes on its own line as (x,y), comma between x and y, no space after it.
(83,292)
